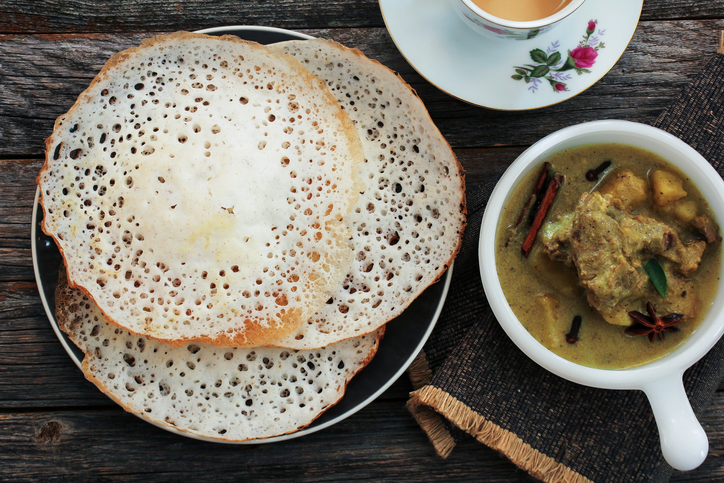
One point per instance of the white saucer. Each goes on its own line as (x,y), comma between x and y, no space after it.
(478,70)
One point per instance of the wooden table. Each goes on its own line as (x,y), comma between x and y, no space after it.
(54,425)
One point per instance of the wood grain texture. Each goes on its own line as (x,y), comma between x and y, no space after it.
(51,16)
(56,426)
(42,76)
(28,16)
(398,451)
(62,445)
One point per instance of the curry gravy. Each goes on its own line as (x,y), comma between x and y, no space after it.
(537,286)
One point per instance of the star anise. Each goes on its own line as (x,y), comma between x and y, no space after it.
(653,325)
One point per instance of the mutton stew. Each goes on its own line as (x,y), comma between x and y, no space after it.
(608,255)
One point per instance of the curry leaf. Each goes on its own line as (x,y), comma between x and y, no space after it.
(656,275)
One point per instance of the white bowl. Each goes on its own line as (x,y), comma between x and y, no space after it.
(683,441)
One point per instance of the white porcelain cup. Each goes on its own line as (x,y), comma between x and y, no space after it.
(498,28)
(683,441)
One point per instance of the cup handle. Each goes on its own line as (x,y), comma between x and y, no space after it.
(683,441)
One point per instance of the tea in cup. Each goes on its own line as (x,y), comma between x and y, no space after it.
(514,20)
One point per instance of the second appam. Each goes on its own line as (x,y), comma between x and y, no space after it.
(408,221)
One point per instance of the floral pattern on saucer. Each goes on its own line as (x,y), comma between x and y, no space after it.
(549,64)
(519,34)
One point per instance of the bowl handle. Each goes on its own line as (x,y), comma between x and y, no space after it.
(683,440)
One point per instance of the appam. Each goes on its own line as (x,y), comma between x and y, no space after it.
(232,394)
(196,191)
(408,221)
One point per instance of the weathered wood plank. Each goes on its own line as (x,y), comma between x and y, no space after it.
(482,163)
(36,86)
(381,442)
(20,301)
(16,264)
(24,16)
(76,444)
(681,9)
(35,370)
(17,192)
(47,16)
(17,189)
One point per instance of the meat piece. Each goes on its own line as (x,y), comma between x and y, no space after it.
(555,236)
(706,226)
(687,257)
(601,248)
(608,245)
(680,298)
(642,233)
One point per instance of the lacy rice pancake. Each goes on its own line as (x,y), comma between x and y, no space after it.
(231,394)
(238,224)
(408,221)
(196,191)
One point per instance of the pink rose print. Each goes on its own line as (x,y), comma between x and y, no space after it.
(550,65)
(495,30)
(584,57)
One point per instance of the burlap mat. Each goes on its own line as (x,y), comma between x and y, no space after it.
(473,376)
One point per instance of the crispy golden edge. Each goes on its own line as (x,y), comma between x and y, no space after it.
(253,335)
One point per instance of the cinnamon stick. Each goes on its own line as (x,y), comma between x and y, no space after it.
(535,194)
(545,206)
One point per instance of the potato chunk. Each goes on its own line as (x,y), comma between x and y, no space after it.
(667,187)
(554,329)
(627,187)
(618,315)
(685,210)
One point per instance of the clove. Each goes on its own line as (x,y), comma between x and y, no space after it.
(592,174)
(572,336)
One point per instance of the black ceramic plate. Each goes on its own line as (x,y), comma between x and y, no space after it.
(404,336)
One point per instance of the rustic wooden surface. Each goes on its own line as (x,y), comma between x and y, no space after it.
(56,426)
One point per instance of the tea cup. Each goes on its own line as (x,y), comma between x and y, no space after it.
(496,27)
